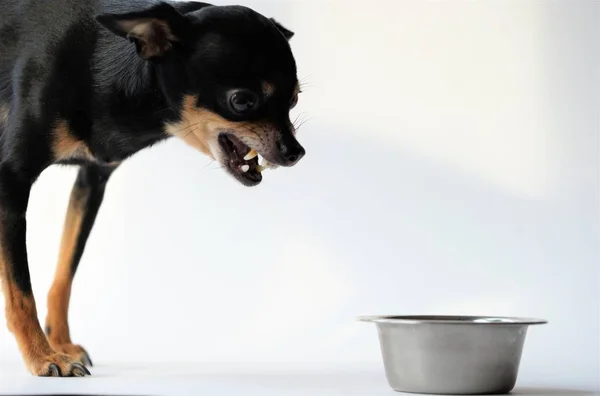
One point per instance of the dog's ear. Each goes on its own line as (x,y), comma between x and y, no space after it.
(154,31)
(288,34)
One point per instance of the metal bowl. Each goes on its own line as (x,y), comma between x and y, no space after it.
(452,355)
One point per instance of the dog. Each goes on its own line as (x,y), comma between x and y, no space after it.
(90,83)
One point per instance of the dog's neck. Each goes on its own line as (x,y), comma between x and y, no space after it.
(132,99)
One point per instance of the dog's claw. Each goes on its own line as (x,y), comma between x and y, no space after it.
(53,371)
(79,370)
(85,359)
(58,365)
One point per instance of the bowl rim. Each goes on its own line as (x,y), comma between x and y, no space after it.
(483,320)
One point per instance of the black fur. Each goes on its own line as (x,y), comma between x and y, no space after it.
(59,64)
(116,72)
(88,193)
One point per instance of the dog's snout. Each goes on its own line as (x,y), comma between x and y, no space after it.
(294,155)
(291,152)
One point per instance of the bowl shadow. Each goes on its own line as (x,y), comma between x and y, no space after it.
(535,391)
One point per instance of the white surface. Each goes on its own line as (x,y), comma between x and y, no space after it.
(227,380)
(452,168)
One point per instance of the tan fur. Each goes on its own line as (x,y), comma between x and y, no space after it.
(142,28)
(268,89)
(21,319)
(200,129)
(57,320)
(60,292)
(65,145)
(154,35)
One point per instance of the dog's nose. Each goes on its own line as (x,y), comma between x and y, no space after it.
(291,152)
(293,156)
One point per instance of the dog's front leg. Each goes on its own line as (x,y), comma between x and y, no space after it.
(21,313)
(86,198)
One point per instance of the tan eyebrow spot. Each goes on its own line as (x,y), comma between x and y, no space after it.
(268,88)
(200,128)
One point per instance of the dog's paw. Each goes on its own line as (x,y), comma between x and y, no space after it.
(57,365)
(76,352)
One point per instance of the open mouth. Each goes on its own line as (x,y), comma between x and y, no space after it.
(241,160)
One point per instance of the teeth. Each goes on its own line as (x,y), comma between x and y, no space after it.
(245,168)
(251,154)
(263,165)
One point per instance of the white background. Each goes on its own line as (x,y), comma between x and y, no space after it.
(452,168)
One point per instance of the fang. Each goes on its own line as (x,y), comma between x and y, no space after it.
(251,154)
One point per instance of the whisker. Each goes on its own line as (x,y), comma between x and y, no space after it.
(296,119)
(302,123)
(306,82)
(305,79)
(191,126)
(207,165)
(301,116)
(306,86)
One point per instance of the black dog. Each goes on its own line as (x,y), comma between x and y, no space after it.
(91,82)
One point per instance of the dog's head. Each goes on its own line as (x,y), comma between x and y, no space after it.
(230,74)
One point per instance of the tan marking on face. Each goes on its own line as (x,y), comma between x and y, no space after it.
(268,89)
(66,146)
(297,89)
(200,128)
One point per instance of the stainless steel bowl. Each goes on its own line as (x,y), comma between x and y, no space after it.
(453,355)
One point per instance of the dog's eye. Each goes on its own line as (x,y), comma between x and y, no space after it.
(294,101)
(243,101)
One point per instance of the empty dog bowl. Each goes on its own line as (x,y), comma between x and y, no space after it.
(451,354)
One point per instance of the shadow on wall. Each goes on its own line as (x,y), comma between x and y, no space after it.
(367,229)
